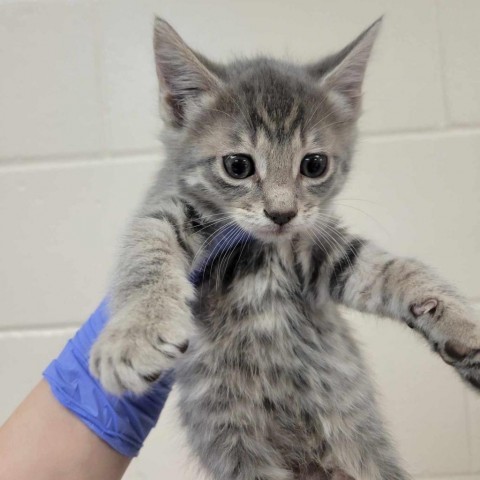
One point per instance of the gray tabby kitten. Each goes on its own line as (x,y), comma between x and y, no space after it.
(272,385)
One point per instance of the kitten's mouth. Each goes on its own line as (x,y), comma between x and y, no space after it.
(270,232)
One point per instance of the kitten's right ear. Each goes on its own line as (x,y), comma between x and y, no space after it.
(183,75)
(343,72)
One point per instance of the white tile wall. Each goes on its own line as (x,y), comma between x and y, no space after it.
(131,107)
(458,23)
(405,75)
(49,94)
(60,225)
(473,415)
(78,146)
(419,195)
(423,400)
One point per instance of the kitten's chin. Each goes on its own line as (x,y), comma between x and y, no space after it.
(274,233)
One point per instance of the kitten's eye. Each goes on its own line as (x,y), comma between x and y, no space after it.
(239,165)
(314,165)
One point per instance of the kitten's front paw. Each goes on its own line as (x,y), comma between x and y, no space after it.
(453,334)
(130,354)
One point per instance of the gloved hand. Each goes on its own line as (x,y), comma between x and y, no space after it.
(123,422)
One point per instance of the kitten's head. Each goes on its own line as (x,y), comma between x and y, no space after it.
(262,143)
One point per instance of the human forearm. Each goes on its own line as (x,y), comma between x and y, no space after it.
(44,441)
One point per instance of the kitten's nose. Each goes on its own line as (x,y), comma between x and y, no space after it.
(280,218)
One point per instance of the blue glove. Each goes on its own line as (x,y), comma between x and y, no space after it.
(123,422)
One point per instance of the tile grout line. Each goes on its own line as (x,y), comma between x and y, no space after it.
(31,330)
(419,134)
(447,476)
(80,160)
(9,334)
(59,159)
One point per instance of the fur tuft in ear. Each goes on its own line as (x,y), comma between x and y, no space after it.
(183,75)
(343,72)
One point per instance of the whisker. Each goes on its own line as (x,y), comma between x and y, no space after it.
(358,200)
(219,247)
(227,251)
(345,241)
(317,241)
(208,224)
(377,223)
(214,235)
(206,263)
(241,251)
(322,120)
(317,108)
(242,111)
(329,232)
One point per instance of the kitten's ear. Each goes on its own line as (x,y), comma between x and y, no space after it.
(343,72)
(183,74)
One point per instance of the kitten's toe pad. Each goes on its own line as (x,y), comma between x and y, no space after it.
(465,359)
(460,345)
(428,306)
(453,332)
(459,352)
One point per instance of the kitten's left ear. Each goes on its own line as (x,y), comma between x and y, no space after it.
(343,72)
(183,74)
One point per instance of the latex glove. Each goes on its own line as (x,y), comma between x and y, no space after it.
(123,422)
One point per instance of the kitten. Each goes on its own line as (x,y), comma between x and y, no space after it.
(272,385)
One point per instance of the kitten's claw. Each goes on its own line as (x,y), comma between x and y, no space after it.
(131,359)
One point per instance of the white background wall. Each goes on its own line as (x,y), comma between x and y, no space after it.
(78,145)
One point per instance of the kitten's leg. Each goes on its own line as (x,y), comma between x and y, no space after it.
(225,430)
(357,444)
(234,452)
(151,319)
(364,455)
(368,279)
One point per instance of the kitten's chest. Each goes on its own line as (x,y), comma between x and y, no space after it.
(258,336)
(253,300)
(255,277)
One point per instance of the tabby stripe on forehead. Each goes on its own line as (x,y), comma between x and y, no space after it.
(343,268)
(259,123)
(297,122)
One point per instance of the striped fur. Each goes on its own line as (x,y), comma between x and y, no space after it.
(272,385)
